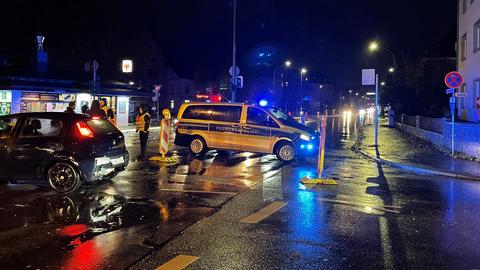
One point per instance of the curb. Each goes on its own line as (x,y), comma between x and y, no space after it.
(416,169)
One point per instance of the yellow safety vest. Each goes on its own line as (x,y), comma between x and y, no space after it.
(114,120)
(140,121)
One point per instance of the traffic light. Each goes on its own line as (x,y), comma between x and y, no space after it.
(156,91)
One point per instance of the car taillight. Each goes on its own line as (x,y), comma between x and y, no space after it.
(84,130)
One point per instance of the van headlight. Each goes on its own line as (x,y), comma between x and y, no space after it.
(102,161)
(305,137)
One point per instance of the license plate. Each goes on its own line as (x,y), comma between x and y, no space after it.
(116,161)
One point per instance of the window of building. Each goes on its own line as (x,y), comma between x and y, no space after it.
(463,47)
(476,36)
(461,100)
(464,6)
(258,117)
(476,92)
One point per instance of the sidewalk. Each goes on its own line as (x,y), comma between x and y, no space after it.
(408,152)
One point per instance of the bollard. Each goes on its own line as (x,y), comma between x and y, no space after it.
(164,139)
(321,159)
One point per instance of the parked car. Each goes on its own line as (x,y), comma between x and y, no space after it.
(62,150)
(243,127)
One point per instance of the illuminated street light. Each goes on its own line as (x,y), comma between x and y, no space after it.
(391,70)
(383,83)
(302,71)
(287,64)
(373,46)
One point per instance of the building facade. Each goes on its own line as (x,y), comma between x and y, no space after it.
(468,57)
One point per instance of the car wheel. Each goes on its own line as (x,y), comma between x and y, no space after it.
(63,177)
(285,152)
(198,146)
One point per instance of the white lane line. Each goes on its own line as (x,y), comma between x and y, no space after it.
(384,208)
(264,213)
(178,263)
(198,191)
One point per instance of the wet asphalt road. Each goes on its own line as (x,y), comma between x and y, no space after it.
(377,217)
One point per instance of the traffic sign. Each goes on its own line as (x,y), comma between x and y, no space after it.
(368,76)
(449,91)
(459,94)
(454,79)
(237,71)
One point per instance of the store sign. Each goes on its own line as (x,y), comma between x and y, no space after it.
(127,66)
(5,96)
(5,108)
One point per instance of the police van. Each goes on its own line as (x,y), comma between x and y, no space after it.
(243,127)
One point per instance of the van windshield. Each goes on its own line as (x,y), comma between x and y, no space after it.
(285,118)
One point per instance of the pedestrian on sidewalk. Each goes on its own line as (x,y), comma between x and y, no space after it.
(96,111)
(143,125)
(478,109)
(71,107)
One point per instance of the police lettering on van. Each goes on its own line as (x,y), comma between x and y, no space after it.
(243,127)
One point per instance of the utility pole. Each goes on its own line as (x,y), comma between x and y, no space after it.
(234,49)
(94,88)
(376,110)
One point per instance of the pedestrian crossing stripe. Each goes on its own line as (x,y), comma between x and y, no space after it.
(178,263)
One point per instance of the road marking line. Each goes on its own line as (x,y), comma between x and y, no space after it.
(384,208)
(264,212)
(178,263)
(198,191)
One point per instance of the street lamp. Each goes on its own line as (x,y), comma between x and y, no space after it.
(391,70)
(287,64)
(302,71)
(374,46)
(383,83)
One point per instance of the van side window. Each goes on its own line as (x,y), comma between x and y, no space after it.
(6,126)
(226,113)
(258,117)
(213,113)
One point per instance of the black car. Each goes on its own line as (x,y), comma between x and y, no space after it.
(62,150)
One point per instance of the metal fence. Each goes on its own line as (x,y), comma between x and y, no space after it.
(432,124)
(410,120)
(425,123)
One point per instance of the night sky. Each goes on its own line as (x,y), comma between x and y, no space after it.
(325,36)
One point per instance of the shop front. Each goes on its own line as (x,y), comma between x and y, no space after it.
(5,102)
(44,102)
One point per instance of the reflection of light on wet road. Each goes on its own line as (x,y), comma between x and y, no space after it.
(387,253)
(84,257)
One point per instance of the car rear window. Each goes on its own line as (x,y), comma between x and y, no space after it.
(102,127)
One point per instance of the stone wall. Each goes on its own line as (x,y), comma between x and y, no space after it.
(467,136)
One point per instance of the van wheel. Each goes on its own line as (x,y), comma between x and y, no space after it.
(198,146)
(285,151)
(63,177)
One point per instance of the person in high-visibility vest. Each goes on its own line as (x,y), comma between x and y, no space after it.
(108,111)
(143,125)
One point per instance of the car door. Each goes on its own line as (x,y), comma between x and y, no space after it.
(224,126)
(256,132)
(35,145)
(7,129)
